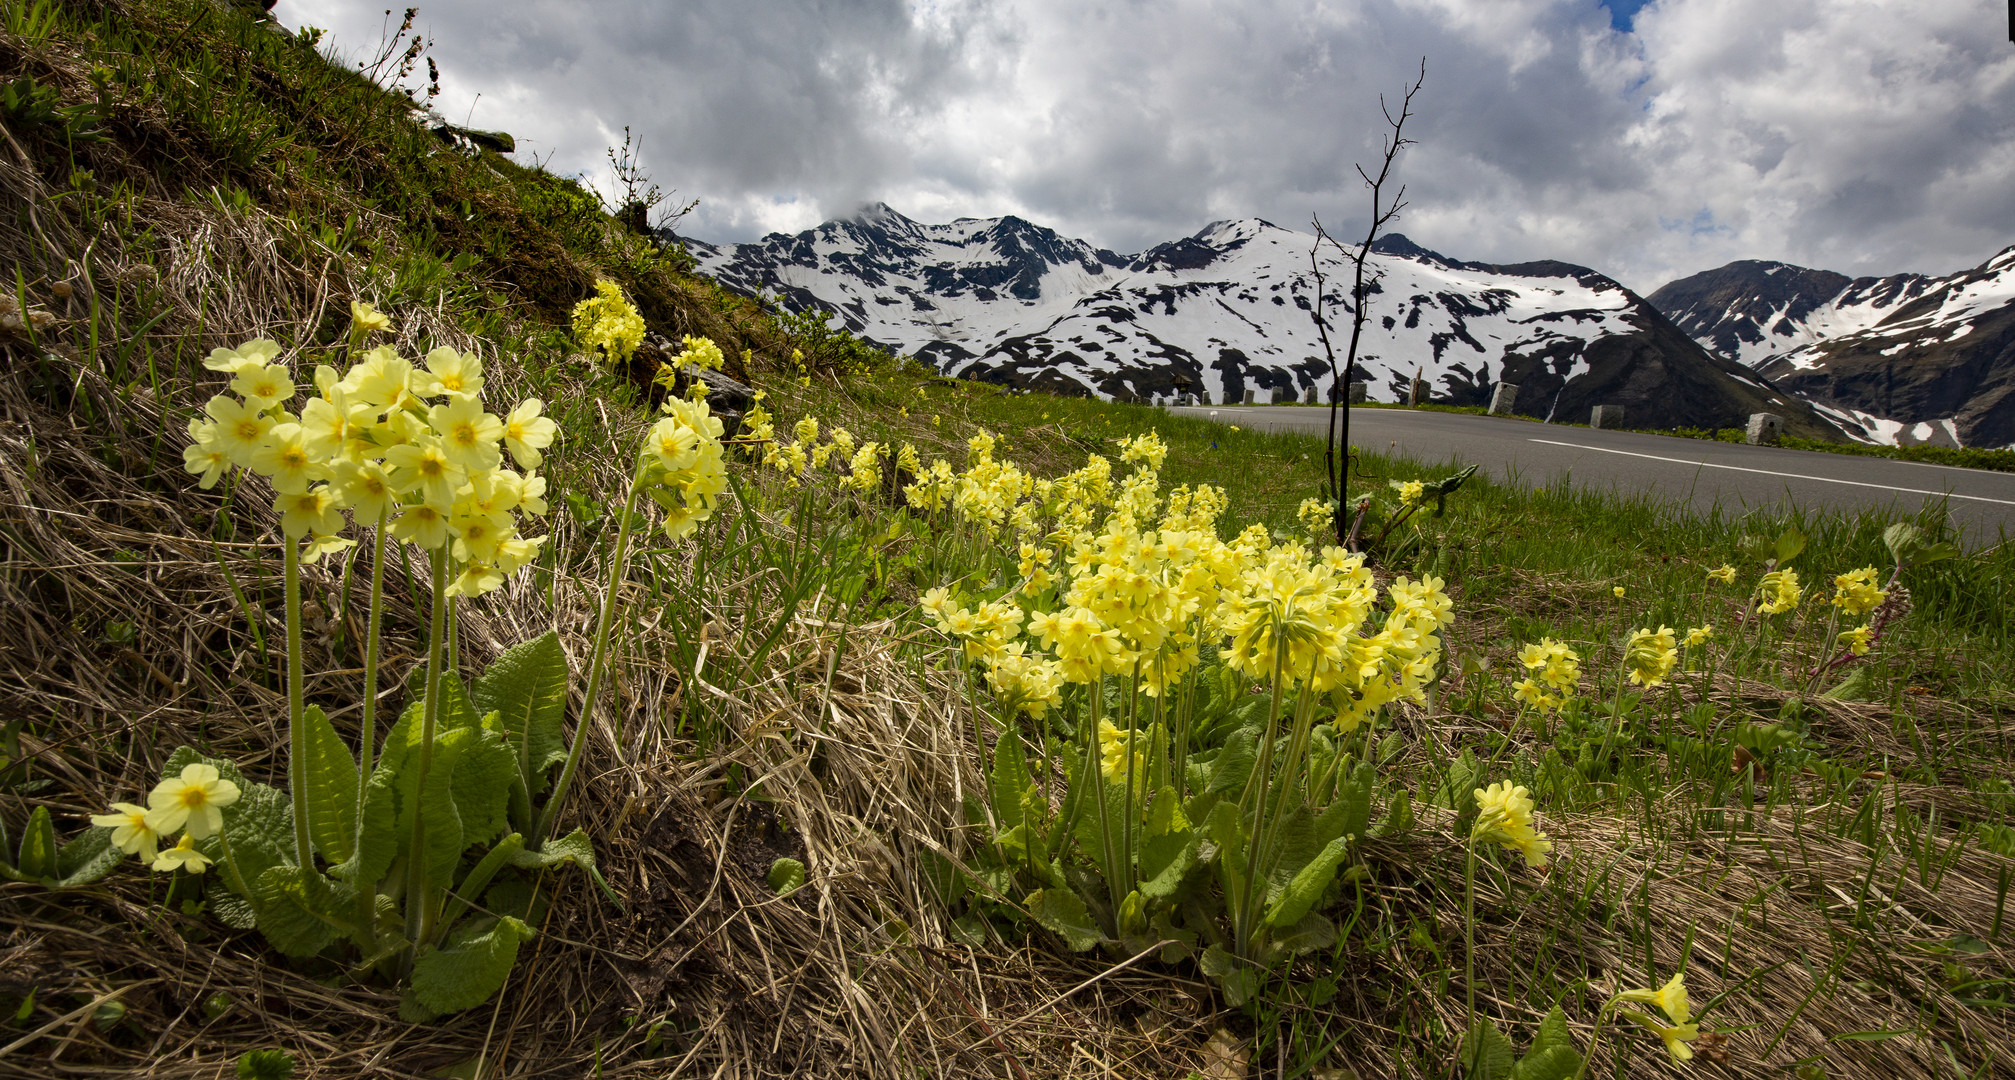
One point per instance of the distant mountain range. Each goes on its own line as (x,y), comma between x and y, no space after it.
(1905,358)
(1227,311)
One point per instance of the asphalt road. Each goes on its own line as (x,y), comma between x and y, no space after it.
(1693,471)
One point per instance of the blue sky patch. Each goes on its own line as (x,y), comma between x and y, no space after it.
(1622,13)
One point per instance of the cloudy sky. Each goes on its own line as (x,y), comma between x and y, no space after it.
(1648,140)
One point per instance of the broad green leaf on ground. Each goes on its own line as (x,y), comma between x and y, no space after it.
(1060,911)
(1486,1053)
(470,968)
(1009,780)
(527,688)
(329,787)
(301,911)
(1307,885)
(86,858)
(37,857)
(576,848)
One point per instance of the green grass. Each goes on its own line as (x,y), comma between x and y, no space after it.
(1829,873)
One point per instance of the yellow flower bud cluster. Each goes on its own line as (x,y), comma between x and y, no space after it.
(1316,516)
(1410,491)
(396,444)
(1854,592)
(1504,817)
(683,468)
(1779,592)
(1650,655)
(1553,674)
(608,324)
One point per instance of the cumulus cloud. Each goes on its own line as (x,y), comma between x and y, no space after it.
(1865,138)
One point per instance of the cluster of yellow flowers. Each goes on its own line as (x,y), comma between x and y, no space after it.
(1650,655)
(1135,596)
(607,323)
(1504,817)
(1779,592)
(1315,516)
(192,802)
(1558,671)
(1854,592)
(1410,491)
(683,468)
(389,441)
(864,463)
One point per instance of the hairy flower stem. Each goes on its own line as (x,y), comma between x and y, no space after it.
(1596,1036)
(304,852)
(419,909)
(368,739)
(1470,1041)
(559,793)
(1255,785)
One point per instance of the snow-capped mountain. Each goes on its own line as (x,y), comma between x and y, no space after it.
(1900,359)
(1228,310)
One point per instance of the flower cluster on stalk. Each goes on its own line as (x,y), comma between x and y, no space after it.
(406,446)
(608,324)
(1553,671)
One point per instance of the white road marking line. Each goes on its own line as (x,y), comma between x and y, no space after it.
(1786,475)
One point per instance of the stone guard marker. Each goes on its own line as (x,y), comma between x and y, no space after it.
(1359,392)
(1308,396)
(1606,416)
(1764,428)
(1501,399)
(1283,395)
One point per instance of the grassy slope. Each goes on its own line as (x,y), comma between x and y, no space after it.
(1825,900)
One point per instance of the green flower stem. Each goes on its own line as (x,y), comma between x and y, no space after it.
(1469,955)
(367,739)
(304,852)
(419,911)
(559,792)
(1596,1035)
(1255,788)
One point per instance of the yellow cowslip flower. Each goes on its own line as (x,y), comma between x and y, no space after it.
(1650,655)
(1670,998)
(1724,574)
(806,430)
(195,800)
(1504,817)
(450,372)
(1113,747)
(1699,635)
(237,429)
(183,856)
(1617,592)
(315,511)
(424,466)
(1315,516)
(1676,1036)
(1147,451)
(381,378)
(205,457)
(284,459)
(1531,693)
(1558,666)
(423,525)
(130,831)
(526,433)
(688,470)
(263,387)
(365,318)
(324,543)
(469,434)
(1858,640)
(256,353)
(1410,491)
(866,468)
(1779,592)
(1854,592)
(366,488)
(476,578)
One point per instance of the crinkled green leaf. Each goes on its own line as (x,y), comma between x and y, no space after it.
(86,858)
(1553,1055)
(1307,885)
(1789,544)
(786,876)
(576,848)
(37,858)
(1313,932)
(380,839)
(1234,763)
(1009,780)
(483,775)
(527,688)
(1355,798)
(470,968)
(1486,1053)
(328,787)
(301,911)
(1063,913)
(231,909)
